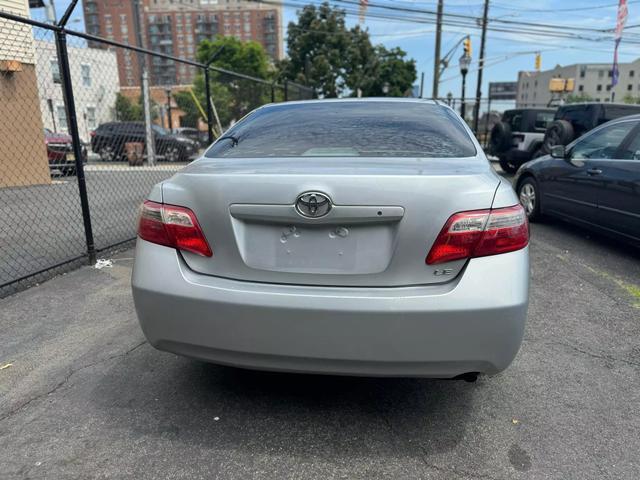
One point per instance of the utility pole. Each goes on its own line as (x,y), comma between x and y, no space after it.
(436,58)
(422,85)
(144,86)
(476,110)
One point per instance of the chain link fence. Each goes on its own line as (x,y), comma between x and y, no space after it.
(88,127)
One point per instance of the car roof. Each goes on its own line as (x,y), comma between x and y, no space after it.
(363,100)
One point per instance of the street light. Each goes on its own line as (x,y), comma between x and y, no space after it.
(465,61)
(169,121)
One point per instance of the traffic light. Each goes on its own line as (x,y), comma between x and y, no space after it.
(466,44)
(538,61)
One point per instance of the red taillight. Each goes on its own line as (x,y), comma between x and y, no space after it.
(480,233)
(172,226)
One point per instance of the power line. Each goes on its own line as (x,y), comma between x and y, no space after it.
(554,31)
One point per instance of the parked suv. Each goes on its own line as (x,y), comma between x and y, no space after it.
(109,140)
(573,120)
(518,136)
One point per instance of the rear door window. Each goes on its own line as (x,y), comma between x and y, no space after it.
(543,120)
(347,129)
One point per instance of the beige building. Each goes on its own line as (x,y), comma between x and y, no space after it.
(23,156)
(591,79)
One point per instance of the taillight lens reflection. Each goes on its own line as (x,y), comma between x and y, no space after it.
(172,226)
(480,233)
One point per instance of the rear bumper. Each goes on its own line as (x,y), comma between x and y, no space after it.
(474,323)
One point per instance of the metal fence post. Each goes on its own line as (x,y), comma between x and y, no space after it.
(286,90)
(207,92)
(67,90)
(273,93)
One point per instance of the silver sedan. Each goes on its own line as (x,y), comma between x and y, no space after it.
(358,237)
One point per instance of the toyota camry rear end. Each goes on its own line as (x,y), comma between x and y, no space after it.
(357,237)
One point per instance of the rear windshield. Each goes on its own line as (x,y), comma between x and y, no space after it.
(354,129)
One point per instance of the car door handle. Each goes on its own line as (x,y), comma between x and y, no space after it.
(594,171)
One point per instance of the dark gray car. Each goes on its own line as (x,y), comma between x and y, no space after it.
(594,181)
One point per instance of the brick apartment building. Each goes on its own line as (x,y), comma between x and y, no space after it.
(175,27)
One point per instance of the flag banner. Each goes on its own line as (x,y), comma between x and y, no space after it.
(363,10)
(623,12)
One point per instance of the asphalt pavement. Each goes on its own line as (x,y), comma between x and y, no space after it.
(42,225)
(86,397)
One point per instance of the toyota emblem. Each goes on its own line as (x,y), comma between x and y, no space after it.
(313,204)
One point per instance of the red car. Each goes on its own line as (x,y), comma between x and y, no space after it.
(60,153)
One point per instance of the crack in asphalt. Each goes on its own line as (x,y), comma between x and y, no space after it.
(597,355)
(65,380)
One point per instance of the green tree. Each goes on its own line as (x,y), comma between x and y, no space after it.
(126,110)
(391,72)
(334,60)
(232,95)
(579,98)
(185,102)
(133,111)
(628,98)
(317,47)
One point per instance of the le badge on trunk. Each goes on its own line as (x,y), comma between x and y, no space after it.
(313,204)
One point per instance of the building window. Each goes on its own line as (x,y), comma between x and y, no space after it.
(600,73)
(583,71)
(629,87)
(55,71)
(608,88)
(609,73)
(62,117)
(599,88)
(85,71)
(631,73)
(581,88)
(90,117)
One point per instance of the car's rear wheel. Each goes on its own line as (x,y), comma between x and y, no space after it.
(508,166)
(107,153)
(529,196)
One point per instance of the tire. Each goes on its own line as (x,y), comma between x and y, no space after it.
(107,153)
(507,165)
(560,132)
(500,138)
(529,198)
(173,153)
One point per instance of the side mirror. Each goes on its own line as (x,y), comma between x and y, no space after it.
(558,151)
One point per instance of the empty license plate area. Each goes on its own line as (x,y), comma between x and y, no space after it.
(328,248)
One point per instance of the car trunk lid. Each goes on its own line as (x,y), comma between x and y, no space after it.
(386,215)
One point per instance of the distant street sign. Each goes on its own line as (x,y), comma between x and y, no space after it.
(561,85)
(503,90)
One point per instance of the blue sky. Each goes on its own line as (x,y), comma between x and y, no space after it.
(506,53)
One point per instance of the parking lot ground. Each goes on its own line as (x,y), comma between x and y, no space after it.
(86,397)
